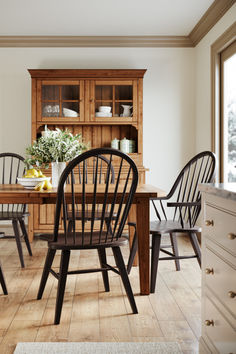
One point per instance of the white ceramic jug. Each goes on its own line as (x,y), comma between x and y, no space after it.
(127,110)
(115,143)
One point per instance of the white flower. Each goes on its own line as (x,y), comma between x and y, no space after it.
(59,146)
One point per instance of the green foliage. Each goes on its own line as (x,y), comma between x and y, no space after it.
(55,146)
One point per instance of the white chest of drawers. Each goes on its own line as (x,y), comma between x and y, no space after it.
(218,269)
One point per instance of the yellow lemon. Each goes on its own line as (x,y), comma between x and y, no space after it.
(40,173)
(31,173)
(47,185)
(39,186)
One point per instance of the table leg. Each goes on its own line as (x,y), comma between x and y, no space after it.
(143,244)
(132,218)
(30,223)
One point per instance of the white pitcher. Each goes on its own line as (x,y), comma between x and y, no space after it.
(127,110)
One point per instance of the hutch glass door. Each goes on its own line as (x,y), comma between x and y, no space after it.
(61,101)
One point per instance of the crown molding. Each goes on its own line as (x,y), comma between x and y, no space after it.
(209,19)
(95,41)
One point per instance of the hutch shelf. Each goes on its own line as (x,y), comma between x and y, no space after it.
(70,98)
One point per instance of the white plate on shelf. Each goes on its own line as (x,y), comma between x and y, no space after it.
(69,113)
(103,114)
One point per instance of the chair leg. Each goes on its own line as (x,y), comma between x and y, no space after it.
(2,281)
(175,250)
(124,276)
(156,243)
(46,269)
(103,261)
(195,245)
(65,258)
(18,242)
(25,234)
(133,252)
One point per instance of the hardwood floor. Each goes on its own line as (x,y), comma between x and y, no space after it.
(90,314)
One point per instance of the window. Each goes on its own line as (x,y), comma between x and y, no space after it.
(223,99)
(228,114)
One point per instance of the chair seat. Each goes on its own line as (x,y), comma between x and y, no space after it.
(168,226)
(70,244)
(10,215)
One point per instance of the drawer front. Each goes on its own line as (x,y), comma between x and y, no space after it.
(221,281)
(221,333)
(221,228)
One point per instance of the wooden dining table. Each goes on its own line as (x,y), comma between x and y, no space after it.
(139,213)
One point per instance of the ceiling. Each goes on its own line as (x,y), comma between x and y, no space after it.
(100,17)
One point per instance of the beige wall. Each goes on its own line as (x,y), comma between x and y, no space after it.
(203,77)
(177,118)
(168,98)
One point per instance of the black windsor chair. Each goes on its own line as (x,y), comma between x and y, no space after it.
(178,213)
(11,167)
(107,234)
(2,282)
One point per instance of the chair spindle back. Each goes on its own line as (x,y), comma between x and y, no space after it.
(113,197)
(11,166)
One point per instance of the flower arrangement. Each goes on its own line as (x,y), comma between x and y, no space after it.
(54,146)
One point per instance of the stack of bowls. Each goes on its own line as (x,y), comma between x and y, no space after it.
(104,111)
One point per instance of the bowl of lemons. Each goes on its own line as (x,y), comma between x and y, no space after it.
(35,179)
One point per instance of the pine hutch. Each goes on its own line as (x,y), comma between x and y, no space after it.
(70,98)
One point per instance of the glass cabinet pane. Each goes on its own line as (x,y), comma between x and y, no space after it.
(50,110)
(50,92)
(103,92)
(70,109)
(103,109)
(70,92)
(124,92)
(122,109)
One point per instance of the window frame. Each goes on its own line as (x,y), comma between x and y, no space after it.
(224,41)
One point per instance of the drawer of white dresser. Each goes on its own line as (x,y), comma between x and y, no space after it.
(222,280)
(222,228)
(222,334)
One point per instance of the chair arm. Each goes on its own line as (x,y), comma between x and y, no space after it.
(161,198)
(183,204)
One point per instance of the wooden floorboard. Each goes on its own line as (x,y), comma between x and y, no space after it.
(89,313)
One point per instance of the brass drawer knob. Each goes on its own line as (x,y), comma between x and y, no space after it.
(209,271)
(209,323)
(232,294)
(231,236)
(209,222)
